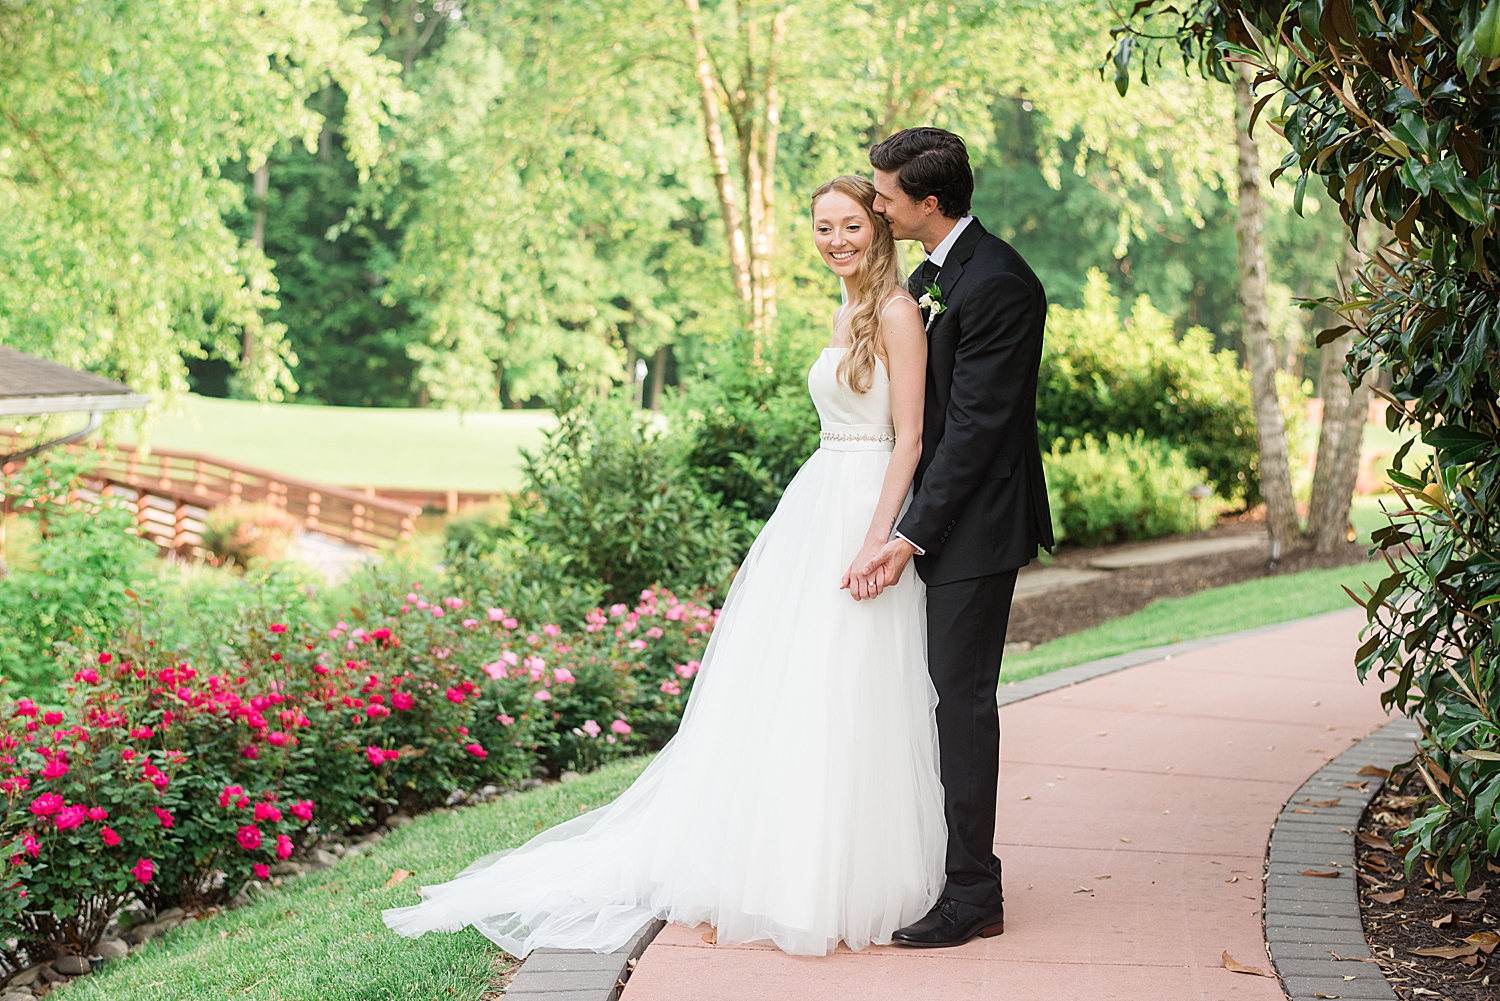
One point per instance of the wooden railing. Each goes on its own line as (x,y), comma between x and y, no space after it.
(174,491)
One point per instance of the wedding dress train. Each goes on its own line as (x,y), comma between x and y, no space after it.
(799,803)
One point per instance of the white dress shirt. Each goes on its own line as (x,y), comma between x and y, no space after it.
(939,256)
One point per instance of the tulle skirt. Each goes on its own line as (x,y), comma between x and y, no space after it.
(799,802)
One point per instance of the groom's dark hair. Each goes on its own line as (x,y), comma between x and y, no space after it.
(929,161)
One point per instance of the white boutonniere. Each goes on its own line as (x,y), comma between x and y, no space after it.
(932,301)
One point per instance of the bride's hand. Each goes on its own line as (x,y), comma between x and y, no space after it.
(867,584)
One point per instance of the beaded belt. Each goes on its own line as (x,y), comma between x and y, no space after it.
(858,437)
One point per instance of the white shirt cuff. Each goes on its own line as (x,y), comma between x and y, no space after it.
(919,549)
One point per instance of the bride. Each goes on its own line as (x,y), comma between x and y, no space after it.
(799,802)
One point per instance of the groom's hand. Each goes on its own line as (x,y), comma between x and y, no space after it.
(888,564)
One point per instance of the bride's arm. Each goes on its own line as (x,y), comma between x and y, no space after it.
(905,345)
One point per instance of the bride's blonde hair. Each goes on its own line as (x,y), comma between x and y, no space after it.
(878,275)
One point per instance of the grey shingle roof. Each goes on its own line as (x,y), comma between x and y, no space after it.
(30,385)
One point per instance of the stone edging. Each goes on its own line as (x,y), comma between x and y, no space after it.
(574,975)
(579,975)
(1313,927)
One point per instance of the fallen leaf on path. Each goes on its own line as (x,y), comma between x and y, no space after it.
(1298,809)
(1321,875)
(711,936)
(1320,994)
(1235,967)
(1084,889)
(1357,785)
(1105,876)
(1383,773)
(399,876)
(1350,977)
(1388,898)
(1486,940)
(1446,919)
(1126,840)
(1232,879)
(1323,803)
(1025,798)
(1446,951)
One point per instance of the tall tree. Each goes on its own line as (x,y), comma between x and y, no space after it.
(115,254)
(1270,426)
(743,75)
(1341,434)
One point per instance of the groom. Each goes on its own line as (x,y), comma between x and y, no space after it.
(980,507)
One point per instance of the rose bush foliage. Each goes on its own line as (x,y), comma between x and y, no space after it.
(174,777)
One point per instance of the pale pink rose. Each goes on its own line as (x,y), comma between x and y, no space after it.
(542,695)
(562,676)
(620,726)
(591,728)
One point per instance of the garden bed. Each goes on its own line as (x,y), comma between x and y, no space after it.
(1404,918)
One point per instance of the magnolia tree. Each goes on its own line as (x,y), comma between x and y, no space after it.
(1394,108)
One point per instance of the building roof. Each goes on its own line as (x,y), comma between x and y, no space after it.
(30,385)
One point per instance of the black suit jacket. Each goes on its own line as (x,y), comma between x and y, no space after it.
(980,506)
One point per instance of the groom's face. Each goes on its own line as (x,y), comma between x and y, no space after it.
(908,218)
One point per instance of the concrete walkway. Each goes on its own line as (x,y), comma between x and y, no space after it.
(1134,814)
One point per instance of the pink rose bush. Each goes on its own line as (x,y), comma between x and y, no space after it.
(173,777)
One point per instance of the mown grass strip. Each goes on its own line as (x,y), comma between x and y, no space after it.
(1214,612)
(321,937)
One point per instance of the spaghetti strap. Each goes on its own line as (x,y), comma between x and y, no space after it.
(895,299)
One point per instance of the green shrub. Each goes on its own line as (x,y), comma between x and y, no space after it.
(746,442)
(1102,375)
(477,530)
(1130,487)
(241,534)
(611,492)
(79,570)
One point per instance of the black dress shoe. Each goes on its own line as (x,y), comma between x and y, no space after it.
(952,922)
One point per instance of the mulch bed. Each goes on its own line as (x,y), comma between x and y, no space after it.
(1424,913)
(1042,617)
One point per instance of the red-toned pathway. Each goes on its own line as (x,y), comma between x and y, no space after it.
(1134,813)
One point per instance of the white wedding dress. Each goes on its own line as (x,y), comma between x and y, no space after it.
(799,803)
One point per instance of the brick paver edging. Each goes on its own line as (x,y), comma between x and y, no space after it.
(1313,927)
(568,975)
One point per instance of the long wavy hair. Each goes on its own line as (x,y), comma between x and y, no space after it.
(878,275)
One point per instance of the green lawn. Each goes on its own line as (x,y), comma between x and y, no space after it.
(360,446)
(1208,613)
(320,938)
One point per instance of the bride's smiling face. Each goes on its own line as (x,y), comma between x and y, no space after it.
(842,232)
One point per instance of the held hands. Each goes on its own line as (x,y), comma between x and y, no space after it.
(876,568)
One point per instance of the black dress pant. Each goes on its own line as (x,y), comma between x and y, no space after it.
(966,622)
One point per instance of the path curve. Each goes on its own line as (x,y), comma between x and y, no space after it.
(1134,813)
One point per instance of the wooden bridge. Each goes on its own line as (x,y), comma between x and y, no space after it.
(172,493)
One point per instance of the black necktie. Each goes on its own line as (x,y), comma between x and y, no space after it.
(922,277)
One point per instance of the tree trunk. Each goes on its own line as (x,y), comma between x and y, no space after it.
(1345,411)
(754,107)
(718,155)
(260,193)
(659,374)
(1275,473)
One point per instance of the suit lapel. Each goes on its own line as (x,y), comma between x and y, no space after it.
(953,267)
